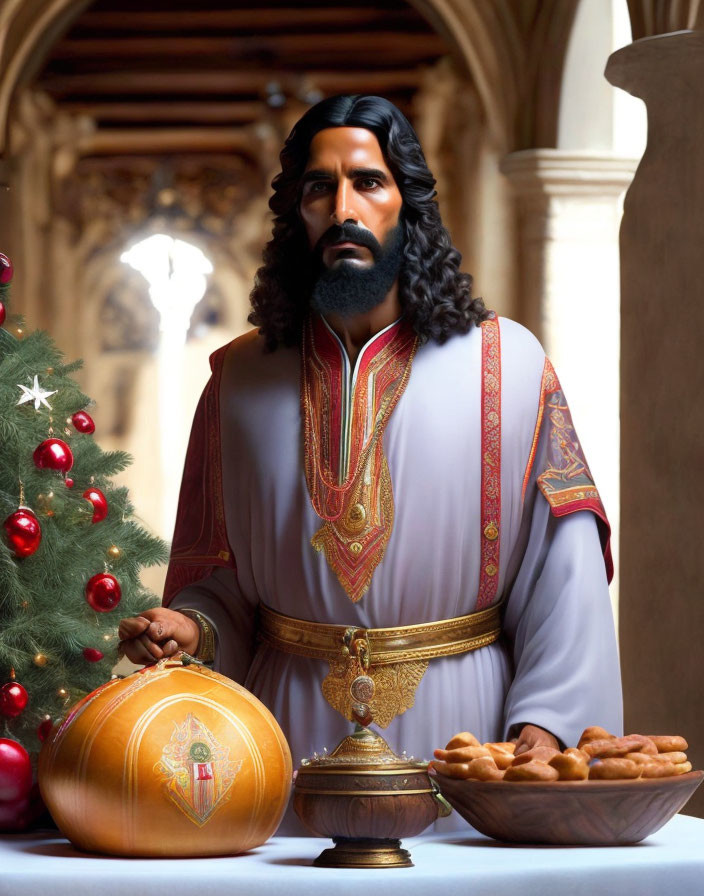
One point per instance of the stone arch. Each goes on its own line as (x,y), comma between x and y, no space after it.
(486,41)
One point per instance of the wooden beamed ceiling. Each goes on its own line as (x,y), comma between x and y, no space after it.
(135,65)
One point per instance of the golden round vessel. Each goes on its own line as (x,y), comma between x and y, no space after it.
(174,760)
(366,798)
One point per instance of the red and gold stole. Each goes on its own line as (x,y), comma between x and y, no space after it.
(343,423)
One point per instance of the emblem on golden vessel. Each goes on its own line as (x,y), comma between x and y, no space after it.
(198,773)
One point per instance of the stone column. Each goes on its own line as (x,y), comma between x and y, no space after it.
(662,395)
(7,243)
(569,209)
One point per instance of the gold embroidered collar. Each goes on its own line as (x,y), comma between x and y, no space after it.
(344,414)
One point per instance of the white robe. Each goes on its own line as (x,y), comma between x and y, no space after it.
(556,664)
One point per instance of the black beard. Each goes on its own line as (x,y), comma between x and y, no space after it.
(349,289)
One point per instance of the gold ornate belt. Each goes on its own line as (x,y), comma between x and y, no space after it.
(374,672)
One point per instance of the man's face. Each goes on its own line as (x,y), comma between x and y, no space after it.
(350,207)
(347,179)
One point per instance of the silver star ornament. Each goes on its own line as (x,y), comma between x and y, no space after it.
(36,394)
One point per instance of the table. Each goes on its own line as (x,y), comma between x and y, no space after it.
(671,861)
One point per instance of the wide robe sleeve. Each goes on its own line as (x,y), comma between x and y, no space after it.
(202,573)
(558,615)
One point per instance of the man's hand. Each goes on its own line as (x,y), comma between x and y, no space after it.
(157,633)
(533,736)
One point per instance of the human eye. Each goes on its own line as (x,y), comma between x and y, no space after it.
(369,183)
(317,186)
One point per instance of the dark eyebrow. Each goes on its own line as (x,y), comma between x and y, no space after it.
(315,174)
(319,174)
(369,172)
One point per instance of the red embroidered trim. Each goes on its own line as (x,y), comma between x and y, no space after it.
(357,513)
(548,384)
(490,535)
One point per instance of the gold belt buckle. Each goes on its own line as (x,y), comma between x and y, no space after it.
(364,693)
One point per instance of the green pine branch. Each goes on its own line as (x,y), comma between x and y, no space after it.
(45,619)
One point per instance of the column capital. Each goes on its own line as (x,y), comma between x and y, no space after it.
(537,173)
(661,65)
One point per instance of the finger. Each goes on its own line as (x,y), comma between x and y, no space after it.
(170,648)
(131,626)
(161,629)
(521,747)
(154,650)
(136,653)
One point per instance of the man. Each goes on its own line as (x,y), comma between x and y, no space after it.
(384,453)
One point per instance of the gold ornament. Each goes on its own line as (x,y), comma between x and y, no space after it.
(107,637)
(45,503)
(49,371)
(62,693)
(389,690)
(114,552)
(40,659)
(208,773)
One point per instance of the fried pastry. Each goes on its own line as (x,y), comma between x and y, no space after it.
(502,756)
(594,733)
(658,770)
(613,768)
(462,754)
(542,753)
(668,743)
(571,766)
(531,771)
(463,739)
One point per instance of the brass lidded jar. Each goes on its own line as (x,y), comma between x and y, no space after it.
(366,798)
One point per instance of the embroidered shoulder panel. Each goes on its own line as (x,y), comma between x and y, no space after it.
(564,478)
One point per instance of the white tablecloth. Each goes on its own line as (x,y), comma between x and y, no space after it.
(670,863)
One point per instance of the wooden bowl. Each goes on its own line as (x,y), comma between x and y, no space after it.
(576,813)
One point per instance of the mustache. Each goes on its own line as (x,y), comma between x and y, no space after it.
(348,232)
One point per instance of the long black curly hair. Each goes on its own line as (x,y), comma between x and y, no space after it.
(435,295)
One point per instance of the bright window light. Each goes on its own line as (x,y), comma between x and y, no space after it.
(176,273)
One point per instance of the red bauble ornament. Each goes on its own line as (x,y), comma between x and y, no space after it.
(14,814)
(2,314)
(13,699)
(15,771)
(43,729)
(53,454)
(83,422)
(69,482)
(99,502)
(103,592)
(18,815)
(92,654)
(6,269)
(23,532)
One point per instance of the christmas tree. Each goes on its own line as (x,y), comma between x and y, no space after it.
(70,552)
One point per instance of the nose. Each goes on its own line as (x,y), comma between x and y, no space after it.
(342,211)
